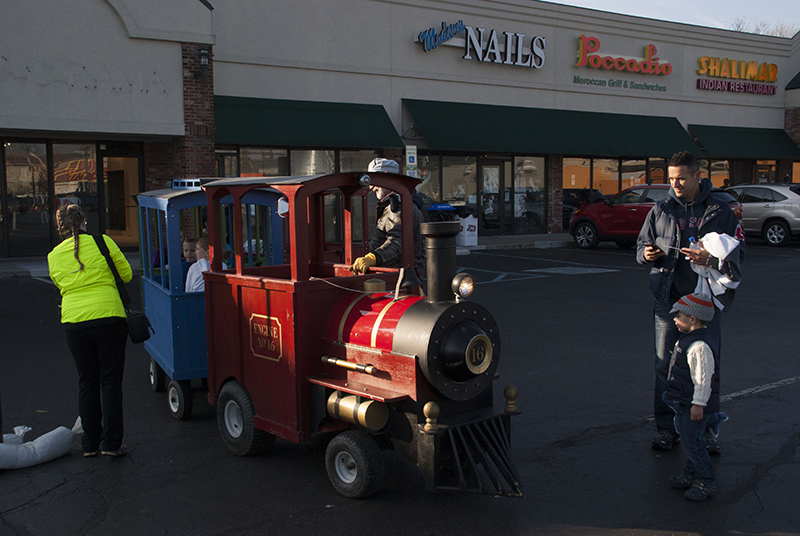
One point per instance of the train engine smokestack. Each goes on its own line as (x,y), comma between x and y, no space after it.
(441,257)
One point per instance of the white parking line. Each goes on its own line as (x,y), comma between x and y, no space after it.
(572,270)
(558,261)
(750,391)
(760,388)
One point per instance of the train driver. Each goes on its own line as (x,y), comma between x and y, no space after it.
(385,244)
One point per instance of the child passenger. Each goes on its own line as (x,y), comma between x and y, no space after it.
(189,255)
(693,393)
(194,279)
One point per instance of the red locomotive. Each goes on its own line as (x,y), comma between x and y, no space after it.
(306,347)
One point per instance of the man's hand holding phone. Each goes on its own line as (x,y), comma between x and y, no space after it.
(652,252)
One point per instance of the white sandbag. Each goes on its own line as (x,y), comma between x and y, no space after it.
(42,449)
(17,438)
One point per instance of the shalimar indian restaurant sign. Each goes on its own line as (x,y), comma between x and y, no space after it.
(736,76)
(511,48)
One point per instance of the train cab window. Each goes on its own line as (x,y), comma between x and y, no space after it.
(257,224)
(333,218)
(156,254)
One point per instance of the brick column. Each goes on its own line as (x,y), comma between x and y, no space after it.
(193,154)
(555,193)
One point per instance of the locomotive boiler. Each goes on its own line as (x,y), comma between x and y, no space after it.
(306,348)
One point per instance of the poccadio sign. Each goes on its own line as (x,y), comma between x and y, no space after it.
(508,48)
(588,56)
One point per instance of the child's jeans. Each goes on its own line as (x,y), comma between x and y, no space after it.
(698,462)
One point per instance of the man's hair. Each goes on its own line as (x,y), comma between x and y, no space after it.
(684,158)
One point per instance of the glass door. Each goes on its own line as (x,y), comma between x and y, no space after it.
(26,213)
(121,184)
(492,201)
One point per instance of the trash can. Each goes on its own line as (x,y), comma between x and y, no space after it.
(442,212)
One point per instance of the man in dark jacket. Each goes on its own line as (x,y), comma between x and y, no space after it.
(690,210)
(385,245)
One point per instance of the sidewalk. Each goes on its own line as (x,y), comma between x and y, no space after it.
(37,266)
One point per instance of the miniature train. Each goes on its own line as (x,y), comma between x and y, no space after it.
(305,347)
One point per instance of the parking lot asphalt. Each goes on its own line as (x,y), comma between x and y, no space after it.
(577,334)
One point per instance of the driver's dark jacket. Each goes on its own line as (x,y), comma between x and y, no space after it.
(661,228)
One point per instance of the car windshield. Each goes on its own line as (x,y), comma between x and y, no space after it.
(653,195)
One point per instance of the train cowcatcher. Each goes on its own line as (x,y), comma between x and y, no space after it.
(307,349)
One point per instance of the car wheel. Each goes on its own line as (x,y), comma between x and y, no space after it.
(179,398)
(354,464)
(158,380)
(236,421)
(586,235)
(777,233)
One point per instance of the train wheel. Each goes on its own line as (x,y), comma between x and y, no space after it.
(354,464)
(158,380)
(236,421)
(179,397)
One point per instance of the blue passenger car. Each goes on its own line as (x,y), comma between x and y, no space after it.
(178,346)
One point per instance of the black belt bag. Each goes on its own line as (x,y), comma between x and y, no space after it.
(139,327)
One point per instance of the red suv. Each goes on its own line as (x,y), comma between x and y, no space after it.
(620,218)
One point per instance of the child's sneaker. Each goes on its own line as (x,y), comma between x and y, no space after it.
(700,491)
(681,481)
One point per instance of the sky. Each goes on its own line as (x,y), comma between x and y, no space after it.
(712,13)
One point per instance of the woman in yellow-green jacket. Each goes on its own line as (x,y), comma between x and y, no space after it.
(96,328)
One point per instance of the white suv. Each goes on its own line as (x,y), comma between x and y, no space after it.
(770,210)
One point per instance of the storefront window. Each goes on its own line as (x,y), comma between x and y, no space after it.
(76,180)
(27,216)
(704,173)
(766,171)
(576,174)
(529,195)
(263,162)
(430,188)
(720,173)
(312,162)
(226,164)
(605,175)
(658,171)
(460,182)
(634,173)
(356,160)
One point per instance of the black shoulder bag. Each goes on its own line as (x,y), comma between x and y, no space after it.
(139,327)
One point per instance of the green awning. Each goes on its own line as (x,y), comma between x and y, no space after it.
(452,126)
(290,123)
(794,83)
(740,142)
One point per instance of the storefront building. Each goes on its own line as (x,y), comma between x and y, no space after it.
(502,108)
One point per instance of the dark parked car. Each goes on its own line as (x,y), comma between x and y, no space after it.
(620,218)
(769,210)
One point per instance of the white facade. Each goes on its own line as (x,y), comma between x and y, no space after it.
(113,66)
(367,52)
(104,98)
(87,66)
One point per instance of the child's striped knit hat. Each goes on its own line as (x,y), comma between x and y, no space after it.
(697,305)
